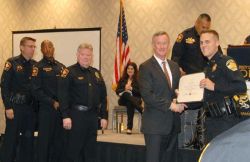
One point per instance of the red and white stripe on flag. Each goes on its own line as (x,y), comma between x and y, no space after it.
(122,56)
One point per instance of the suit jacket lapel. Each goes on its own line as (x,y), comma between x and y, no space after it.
(175,80)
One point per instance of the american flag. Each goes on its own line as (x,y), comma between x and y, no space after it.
(122,56)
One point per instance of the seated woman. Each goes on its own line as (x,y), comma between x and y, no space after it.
(128,90)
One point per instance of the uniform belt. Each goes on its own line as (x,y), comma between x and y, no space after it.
(227,107)
(20,99)
(81,108)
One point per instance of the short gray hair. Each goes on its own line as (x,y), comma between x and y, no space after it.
(85,46)
(159,33)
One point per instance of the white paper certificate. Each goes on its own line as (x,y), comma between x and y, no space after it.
(189,88)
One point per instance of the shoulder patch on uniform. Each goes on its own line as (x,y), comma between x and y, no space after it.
(97,75)
(64,73)
(190,40)
(34,71)
(231,64)
(7,66)
(179,38)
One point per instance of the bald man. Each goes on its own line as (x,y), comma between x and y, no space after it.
(44,85)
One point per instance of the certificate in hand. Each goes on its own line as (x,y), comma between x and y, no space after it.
(189,88)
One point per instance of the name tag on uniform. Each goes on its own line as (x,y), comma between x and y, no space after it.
(80,78)
(47,69)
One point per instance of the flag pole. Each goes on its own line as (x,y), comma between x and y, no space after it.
(120,39)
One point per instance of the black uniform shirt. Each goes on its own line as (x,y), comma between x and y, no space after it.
(228,79)
(187,53)
(16,78)
(82,86)
(45,76)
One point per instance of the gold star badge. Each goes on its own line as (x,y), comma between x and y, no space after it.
(19,68)
(231,65)
(7,66)
(190,40)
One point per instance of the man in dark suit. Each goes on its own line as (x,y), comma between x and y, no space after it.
(158,78)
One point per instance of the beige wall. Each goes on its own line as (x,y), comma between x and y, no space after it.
(229,17)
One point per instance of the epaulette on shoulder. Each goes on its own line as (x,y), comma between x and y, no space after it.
(33,61)
(38,64)
(72,66)
(187,30)
(94,69)
(13,58)
(225,57)
(57,62)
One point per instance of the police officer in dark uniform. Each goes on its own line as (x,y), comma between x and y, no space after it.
(45,76)
(223,81)
(17,99)
(82,93)
(187,53)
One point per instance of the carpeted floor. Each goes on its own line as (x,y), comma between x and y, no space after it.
(134,139)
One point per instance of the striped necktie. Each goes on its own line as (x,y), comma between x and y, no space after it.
(166,73)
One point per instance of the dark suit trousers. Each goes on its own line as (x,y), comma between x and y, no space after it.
(23,122)
(161,148)
(50,135)
(81,139)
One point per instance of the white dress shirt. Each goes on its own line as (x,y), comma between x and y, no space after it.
(167,66)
